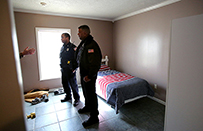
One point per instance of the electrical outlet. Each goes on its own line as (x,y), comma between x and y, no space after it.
(155,86)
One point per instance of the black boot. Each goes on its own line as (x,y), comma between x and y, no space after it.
(66,99)
(90,121)
(84,110)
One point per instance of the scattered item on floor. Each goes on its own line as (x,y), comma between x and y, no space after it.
(45,98)
(37,100)
(36,97)
(32,115)
(59,92)
(34,90)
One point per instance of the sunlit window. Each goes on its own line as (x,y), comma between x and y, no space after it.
(48,49)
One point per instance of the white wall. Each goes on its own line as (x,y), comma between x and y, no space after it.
(184,97)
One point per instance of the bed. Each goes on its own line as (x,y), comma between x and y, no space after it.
(118,88)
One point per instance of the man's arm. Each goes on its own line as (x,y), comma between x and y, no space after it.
(27,52)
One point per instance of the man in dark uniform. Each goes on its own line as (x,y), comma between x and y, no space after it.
(89,58)
(68,66)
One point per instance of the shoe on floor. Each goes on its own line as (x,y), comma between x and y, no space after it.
(44,98)
(36,101)
(76,102)
(59,92)
(66,99)
(84,110)
(90,121)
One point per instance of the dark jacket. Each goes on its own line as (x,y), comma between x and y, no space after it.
(91,56)
(67,59)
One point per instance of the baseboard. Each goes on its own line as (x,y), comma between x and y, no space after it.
(157,100)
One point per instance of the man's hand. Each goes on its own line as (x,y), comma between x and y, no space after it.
(28,51)
(86,79)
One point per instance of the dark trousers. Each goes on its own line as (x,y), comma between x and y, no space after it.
(69,82)
(90,96)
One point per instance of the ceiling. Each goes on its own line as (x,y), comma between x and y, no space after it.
(110,10)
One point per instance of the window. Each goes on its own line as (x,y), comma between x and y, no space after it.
(48,49)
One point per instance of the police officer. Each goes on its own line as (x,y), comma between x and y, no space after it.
(89,60)
(68,66)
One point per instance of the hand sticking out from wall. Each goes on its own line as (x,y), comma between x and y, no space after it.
(27,52)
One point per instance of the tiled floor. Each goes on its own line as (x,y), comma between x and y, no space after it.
(141,115)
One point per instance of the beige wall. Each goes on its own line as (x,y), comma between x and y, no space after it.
(138,45)
(25,24)
(142,42)
(129,34)
(12,117)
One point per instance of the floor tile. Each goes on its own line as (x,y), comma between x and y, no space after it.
(66,114)
(30,124)
(107,113)
(45,120)
(134,129)
(56,98)
(29,109)
(140,115)
(73,124)
(53,127)
(102,126)
(45,109)
(84,116)
(62,105)
(121,120)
